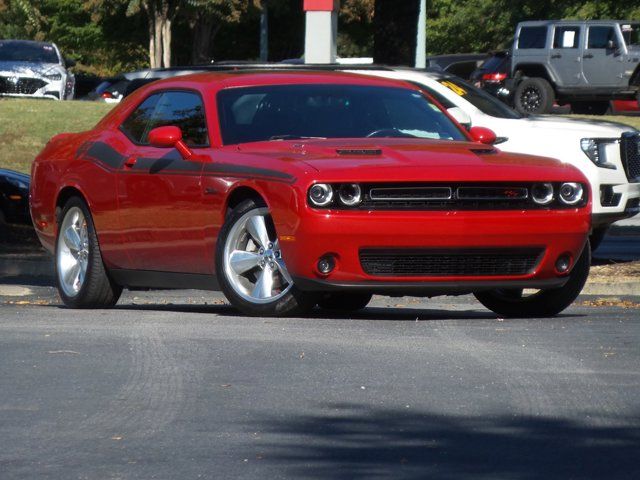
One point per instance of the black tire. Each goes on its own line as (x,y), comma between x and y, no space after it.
(98,290)
(534,96)
(344,302)
(293,302)
(590,108)
(545,303)
(596,237)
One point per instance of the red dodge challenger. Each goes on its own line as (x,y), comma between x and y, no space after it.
(291,190)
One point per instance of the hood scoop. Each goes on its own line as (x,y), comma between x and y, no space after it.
(361,152)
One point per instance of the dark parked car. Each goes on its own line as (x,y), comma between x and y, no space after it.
(459,64)
(492,75)
(14,197)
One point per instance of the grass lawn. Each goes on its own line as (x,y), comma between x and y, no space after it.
(26,125)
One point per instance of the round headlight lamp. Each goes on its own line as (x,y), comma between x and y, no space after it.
(571,193)
(320,194)
(350,194)
(542,193)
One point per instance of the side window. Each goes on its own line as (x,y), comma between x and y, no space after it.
(566,37)
(600,36)
(184,110)
(532,37)
(135,126)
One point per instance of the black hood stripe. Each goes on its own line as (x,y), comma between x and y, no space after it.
(173,164)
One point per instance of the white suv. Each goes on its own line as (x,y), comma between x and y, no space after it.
(607,153)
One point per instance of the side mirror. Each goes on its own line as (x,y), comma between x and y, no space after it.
(169,137)
(611,45)
(460,116)
(483,135)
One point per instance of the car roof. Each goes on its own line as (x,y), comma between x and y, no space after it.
(542,23)
(246,78)
(25,42)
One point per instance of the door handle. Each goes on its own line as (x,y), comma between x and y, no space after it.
(556,55)
(588,55)
(130,162)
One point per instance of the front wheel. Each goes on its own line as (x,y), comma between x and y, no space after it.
(543,303)
(251,270)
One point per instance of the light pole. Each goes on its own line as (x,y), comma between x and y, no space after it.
(321,30)
(264,31)
(421,37)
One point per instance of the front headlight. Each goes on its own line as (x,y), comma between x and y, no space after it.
(56,77)
(571,193)
(594,148)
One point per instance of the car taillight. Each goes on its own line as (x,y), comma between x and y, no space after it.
(106,95)
(494,77)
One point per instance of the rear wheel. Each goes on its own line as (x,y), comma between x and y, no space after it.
(542,303)
(251,270)
(346,302)
(81,277)
(534,96)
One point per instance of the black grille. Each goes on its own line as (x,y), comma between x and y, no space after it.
(630,153)
(24,86)
(448,262)
(413,196)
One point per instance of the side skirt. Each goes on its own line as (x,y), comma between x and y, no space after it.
(165,280)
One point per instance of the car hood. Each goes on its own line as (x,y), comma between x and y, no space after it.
(31,69)
(374,160)
(583,126)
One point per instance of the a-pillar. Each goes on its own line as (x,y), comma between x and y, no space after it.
(321,30)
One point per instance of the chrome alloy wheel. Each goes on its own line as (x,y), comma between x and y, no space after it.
(253,261)
(72,255)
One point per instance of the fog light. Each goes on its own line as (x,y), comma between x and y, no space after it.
(326,264)
(563,263)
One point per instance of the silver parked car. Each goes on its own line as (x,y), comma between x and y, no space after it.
(34,69)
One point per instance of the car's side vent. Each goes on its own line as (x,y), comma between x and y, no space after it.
(359,151)
(484,151)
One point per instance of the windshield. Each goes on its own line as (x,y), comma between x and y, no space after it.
(284,112)
(479,98)
(27,52)
(631,34)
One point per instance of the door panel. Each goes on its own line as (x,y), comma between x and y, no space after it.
(162,213)
(565,55)
(602,66)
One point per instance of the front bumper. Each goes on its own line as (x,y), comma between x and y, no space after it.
(343,234)
(31,87)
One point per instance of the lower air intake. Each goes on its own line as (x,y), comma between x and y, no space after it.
(448,262)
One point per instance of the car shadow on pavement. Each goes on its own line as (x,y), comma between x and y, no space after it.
(369,313)
(350,441)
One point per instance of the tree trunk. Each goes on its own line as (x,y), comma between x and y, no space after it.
(158,24)
(166,43)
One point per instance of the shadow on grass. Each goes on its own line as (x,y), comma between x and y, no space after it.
(357,442)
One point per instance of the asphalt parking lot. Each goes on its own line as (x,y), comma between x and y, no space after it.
(178,385)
